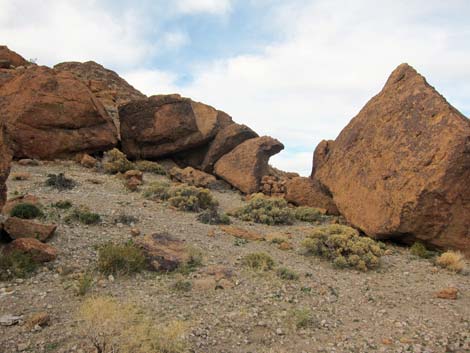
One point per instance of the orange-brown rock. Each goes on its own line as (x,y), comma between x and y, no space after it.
(246,164)
(450,293)
(24,228)
(196,177)
(163,252)
(401,168)
(110,89)
(39,252)
(88,161)
(242,233)
(166,124)
(225,141)
(12,58)
(133,173)
(320,154)
(5,159)
(52,114)
(307,192)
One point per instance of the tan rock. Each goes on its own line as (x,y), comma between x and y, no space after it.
(25,228)
(307,192)
(39,252)
(245,165)
(53,115)
(134,174)
(133,183)
(38,319)
(450,293)
(194,177)
(401,168)
(88,161)
(241,233)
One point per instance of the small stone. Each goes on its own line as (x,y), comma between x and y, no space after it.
(448,293)
(135,232)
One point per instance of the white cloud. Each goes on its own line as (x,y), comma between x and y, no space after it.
(215,7)
(152,82)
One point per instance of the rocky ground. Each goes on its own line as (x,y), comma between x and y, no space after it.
(392,309)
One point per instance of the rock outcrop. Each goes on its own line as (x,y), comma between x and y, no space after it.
(52,114)
(246,164)
(8,58)
(110,89)
(401,168)
(5,159)
(195,177)
(164,125)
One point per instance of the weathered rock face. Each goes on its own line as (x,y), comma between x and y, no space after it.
(225,141)
(11,58)
(110,89)
(246,164)
(401,168)
(39,252)
(5,159)
(195,177)
(53,115)
(307,192)
(163,125)
(25,228)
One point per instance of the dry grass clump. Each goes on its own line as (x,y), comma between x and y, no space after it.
(287,274)
(114,161)
(191,199)
(120,259)
(159,190)
(113,327)
(259,261)
(344,247)
(60,182)
(308,214)
(451,260)
(16,265)
(419,249)
(63,205)
(266,210)
(26,210)
(85,283)
(212,216)
(150,167)
(83,215)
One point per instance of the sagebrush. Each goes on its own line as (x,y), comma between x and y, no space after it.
(266,210)
(120,259)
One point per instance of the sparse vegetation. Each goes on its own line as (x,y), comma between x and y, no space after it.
(150,167)
(120,259)
(419,249)
(191,199)
(213,216)
(451,260)
(16,265)
(287,274)
(159,190)
(195,261)
(344,247)
(267,210)
(26,211)
(63,205)
(114,161)
(84,215)
(308,214)
(182,285)
(111,327)
(258,261)
(60,182)
(302,318)
(126,219)
(85,283)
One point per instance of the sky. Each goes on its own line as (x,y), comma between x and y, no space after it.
(296,70)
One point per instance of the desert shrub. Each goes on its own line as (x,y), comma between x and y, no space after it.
(126,219)
(84,283)
(451,260)
(191,198)
(240,242)
(26,211)
(84,215)
(150,167)
(182,285)
(16,264)
(258,261)
(419,249)
(120,259)
(302,318)
(308,214)
(344,247)
(287,274)
(60,182)
(267,210)
(63,205)
(159,190)
(114,161)
(195,260)
(212,216)
(113,327)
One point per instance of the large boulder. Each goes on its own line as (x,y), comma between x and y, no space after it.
(24,228)
(110,89)
(401,168)
(52,114)
(307,192)
(11,58)
(164,125)
(246,164)
(39,252)
(225,141)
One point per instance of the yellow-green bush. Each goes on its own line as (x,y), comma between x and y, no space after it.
(111,326)
(344,247)
(16,264)
(420,250)
(451,260)
(150,167)
(287,274)
(159,190)
(114,161)
(212,216)
(308,214)
(259,261)
(83,215)
(120,259)
(267,210)
(191,198)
